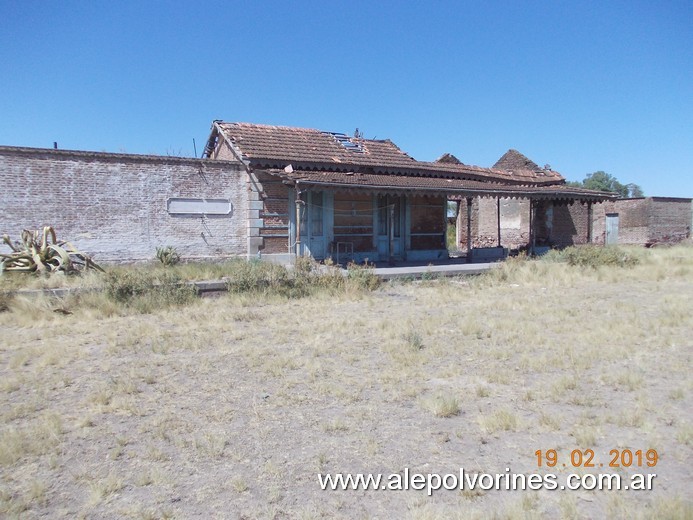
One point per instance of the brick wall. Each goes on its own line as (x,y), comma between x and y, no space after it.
(274,214)
(268,212)
(558,225)
(633,220)
(570,224)
(114,206)
(646,221)
(669,220)
(462,223)
(514,223)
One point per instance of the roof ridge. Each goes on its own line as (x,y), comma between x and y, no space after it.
(514,162)
(513,156)
(263,125)
(303,129)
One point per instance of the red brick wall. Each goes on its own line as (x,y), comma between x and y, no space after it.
(514,223)
(633,221)
(643,221)
(114,206)
(274,215)
(515,219)
(569,225)
(669,219)
(462,223)
(557,225)
(646,221)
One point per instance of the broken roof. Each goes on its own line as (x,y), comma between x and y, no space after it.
(519,164)
(268,146)
(262,143)
(448,158)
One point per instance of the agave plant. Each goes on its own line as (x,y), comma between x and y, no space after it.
(40,251)
(168,255)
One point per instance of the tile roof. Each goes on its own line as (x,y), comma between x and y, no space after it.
(293,145)
(305,148)
(449,186)
(448,158)
(519,164)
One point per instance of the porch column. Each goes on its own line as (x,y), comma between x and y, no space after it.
(458,231)
(298,220)
(469,229)
(589,222)
(498,212)
(391,231)
(531,227)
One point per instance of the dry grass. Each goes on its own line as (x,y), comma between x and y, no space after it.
(442,405)
(229,407)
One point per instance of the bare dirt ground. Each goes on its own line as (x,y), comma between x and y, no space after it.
(229,408)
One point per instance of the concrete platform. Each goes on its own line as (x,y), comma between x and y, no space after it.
(452,267)
(423,271)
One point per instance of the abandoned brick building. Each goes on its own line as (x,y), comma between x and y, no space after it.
(642,221)
(275,192)
(362,198)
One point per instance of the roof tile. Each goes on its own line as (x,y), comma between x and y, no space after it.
(305,148)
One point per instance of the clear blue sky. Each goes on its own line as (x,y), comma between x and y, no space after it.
(583,86)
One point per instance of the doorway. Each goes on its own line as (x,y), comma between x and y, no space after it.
(313,224)
(611,229)
(389,213)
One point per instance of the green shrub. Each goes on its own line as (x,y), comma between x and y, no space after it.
(123,286)
(305,265)
(594,256)
(168,255)
(257,276)
(413,340)
(362,277)
(308,277)
(146,291)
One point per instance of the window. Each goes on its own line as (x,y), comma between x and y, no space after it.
(428,221)
(353,220)
(316,213)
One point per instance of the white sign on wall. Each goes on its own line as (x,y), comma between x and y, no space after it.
(181,206)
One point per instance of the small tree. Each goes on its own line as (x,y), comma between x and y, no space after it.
(603,181)
(634,191)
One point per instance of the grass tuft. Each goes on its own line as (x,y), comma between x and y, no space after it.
(593,256)
(500,420)
(442,405)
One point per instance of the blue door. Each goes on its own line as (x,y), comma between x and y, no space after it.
(611,229)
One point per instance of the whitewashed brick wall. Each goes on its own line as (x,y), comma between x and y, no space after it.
(114,206)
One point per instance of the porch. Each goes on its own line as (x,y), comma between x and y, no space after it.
(365,226)
(389,219)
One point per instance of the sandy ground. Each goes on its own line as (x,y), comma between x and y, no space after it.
(230,408)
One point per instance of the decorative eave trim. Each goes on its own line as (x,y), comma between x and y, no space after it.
(492,191)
